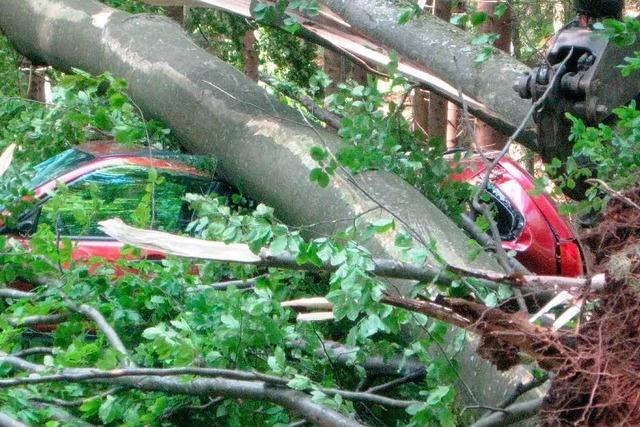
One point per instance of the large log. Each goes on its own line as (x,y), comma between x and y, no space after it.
(438,45)
(262,146)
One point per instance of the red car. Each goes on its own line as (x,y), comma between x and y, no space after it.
(529,224)
(106,180)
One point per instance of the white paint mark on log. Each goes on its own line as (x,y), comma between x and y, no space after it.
(101,19)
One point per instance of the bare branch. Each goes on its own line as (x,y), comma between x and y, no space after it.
(516,412)
(157,380)
(61,415)
(32,351)
(107,330)
(45,319)
(240,253)
(414,376)
(240,284)
(7,421)
(523,388)
(615,194)
(14,293)
(316,110)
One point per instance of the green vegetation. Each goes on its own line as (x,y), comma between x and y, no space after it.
(169,315)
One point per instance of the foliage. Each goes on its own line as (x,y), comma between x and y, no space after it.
(131,6)
(377,136)
(222,33)
(166,320)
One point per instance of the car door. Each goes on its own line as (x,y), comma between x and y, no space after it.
(126,192)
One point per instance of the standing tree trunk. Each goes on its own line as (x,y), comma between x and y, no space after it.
(438,106)
(176,13)
(340,69)
(420,110)
(486,136)
(37,84)
(251,61)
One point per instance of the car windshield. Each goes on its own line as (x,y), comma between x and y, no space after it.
(57,166)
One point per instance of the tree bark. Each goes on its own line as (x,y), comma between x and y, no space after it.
(340,69)
(251,61)
(420,109)
(438,106)
(262,146)
(37,80)
(176,13)
(447,51)
(486,136)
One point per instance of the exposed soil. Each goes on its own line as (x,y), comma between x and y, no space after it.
(599,382)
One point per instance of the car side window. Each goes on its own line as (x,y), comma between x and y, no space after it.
(123,192)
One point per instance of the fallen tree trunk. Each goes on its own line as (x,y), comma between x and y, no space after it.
(447,52)
(263,146)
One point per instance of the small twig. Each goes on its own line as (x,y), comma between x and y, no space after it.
(616,194)
(78,402)
(521,389)
(221,286)
(414,376)
(484,407)
(14,293)
(33,350)
(515,413)
(45,319)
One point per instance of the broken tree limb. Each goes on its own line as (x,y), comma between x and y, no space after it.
(514,413)
(330,31)
(190,247)
(262,146)
(165,380)
(433,44)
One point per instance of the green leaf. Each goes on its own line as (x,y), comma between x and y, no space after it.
(436,395)
(318,154)
(299,382)
(320,176)
(291,25)
(109,410)
(383,225)
(278,245)
(478,18)
(500,10)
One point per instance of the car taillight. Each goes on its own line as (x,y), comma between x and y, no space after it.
(571,264)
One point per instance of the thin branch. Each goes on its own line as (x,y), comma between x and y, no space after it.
(221,286)
(107,330)
(15,294)
(316,110)
(516,412)
(371,398)
(615,194)
(412,377)
(521,389)
(61,415)
(45,319)
(78,402)
(32,351)
(484,408)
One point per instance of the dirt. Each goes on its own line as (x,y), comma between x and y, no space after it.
(598,383)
